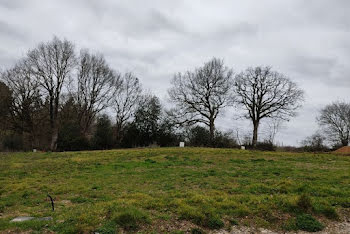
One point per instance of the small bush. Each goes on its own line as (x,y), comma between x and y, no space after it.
(264,146)
(308,223)
(13,142)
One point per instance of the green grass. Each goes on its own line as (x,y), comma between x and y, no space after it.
(147,189)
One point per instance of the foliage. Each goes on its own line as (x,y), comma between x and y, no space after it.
(12,142)
(200,136)
(308,223)
(103,137)
(314,143)
(264,146)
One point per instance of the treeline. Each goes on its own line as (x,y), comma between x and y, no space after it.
(57,99)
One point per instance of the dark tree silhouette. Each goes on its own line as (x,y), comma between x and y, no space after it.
(26,99)
(201,95)
(52,63)
(266,94)
(335,120)
(94,87)
(126,95)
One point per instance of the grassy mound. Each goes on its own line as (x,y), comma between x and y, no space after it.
(171,189)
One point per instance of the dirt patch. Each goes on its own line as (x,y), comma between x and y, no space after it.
(334,228)
(167,226)
(343,150)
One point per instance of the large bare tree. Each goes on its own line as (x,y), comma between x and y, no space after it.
(52,63)
(127,92)
(266,94)
(335,120)
(26,98)
(200,95)
(94,87)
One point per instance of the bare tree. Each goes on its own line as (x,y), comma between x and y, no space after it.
(335,120)
(315,142)
(26,98)
(52,63)
(266,94)
(94,87)
(200,95)
(273,127)
(127,93)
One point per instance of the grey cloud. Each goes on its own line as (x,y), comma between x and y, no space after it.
(10,31)
(313,67)
(306,40)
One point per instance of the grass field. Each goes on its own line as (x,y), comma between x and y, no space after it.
(172,189)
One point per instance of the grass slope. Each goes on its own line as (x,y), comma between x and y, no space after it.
(165,189)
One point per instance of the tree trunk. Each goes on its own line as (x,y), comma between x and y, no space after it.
(212,132)
(119,134)
(255,134)
(345,142)
(54,136)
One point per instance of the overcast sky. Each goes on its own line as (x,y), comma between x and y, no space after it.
(308,40)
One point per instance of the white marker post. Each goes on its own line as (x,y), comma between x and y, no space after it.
(182,144)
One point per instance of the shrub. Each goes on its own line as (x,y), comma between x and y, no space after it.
(103,137)
(13,142)
(308,223)
(264,146)
(200,136)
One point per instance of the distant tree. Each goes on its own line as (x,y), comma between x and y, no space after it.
(147,118)
(126,95)
(52,63)
(335,120)
(200,95)
(167,133)
(273,126)
(70,136)
(266,94)
(26,100)
(94,88)
(199,136)
(5,103)
(103,137)
(315,142)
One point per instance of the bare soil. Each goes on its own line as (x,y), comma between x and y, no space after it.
(343,150)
